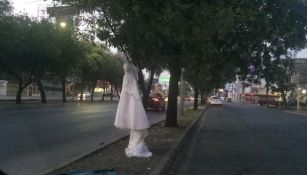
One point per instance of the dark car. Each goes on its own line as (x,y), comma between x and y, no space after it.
(271,102)
(228,99)
(156,102)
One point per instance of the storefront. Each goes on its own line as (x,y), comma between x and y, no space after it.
(3,88)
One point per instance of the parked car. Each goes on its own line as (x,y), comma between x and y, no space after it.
(213,100)
(189,98)
(156,102)
(85,95)
(228,99)
(271,102)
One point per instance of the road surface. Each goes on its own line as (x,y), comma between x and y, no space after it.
(36,138)
(238,139)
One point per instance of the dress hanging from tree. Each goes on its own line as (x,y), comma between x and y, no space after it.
(131,114)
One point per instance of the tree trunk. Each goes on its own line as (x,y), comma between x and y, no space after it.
(20,90)
(284,100)
(111,92)
(267,95)
(42,91)
(195,98)
(143,88)
(146,90)
(242,95)
(181,94)
(82,89)
(146,95)
(201,97)
(92,92)
(117,92)
(64,90)
(103,94)
(171,113)
(18,96)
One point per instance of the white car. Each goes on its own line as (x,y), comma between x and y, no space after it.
(214,101)
(85,95)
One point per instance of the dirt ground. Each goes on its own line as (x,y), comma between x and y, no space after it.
(159,141)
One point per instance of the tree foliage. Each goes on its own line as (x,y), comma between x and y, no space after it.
(12,50)
(32,51)
(282,73)
(5,7)
(218,36)
(71,52)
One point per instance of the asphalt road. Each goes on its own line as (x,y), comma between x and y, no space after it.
(241,139)
(37,138)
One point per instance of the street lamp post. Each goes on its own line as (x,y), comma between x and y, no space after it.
(182,87)
(298,99)
(304,92)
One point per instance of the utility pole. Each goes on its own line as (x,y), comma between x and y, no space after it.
(242,95)
(298,99)
(182,87)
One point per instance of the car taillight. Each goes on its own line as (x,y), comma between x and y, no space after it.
(155,99)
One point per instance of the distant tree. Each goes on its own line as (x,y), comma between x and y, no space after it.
(215,30)
(85,68)
(13,60)
(71,51)
(98,67)
(27,50)
(40,48)
(302,74)
(282,75)
(116,72)
(113,72)
(5,7)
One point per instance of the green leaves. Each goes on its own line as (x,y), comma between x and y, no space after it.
(212,40)
(5,7)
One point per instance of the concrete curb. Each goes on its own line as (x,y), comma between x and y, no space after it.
(171,154)
(89,153)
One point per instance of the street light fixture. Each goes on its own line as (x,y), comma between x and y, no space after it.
(63,24)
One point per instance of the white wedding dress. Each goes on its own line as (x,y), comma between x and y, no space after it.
(131,114)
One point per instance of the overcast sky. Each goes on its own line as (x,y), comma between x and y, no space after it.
(302,54)
(31,7)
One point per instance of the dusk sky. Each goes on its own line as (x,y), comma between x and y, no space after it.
(28,6)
